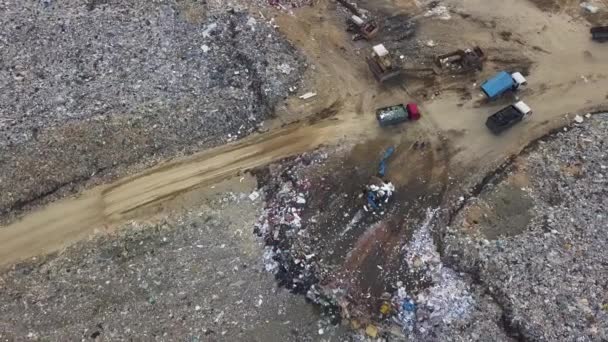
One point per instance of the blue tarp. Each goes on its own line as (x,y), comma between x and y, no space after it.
(497,85)
(384,161)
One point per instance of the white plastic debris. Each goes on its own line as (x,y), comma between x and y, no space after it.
(207,31)
(251,23)
(431,43)
(205,48)
(579,119)
(285,68)
(254,195)
(589,7)
(300,200)
(308,95)
(270,265)
(588,115)
(440,12)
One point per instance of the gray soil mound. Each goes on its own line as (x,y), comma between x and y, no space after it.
(89,86)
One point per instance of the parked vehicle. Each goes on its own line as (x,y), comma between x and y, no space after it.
(508,117)
(397,114)
(361,28)
(462,60)
(502,83)
(599,33)
(412,111)
(382,65)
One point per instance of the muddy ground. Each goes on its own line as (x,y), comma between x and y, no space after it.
(360,262)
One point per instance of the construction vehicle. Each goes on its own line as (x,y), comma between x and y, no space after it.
(508,117)
(599,33)
(382,65)
(462,60)
(361,28)
(502,83)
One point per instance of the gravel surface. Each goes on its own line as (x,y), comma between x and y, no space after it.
(548,272)
(89,86)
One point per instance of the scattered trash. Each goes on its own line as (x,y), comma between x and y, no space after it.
(308,95)
(431,43)
(254,195)
(207,31)
(385,308)
(285,68)
(378,195)
(588,115)
(205,48)
(371,331)
(440,12)
(579,119)
(589,7)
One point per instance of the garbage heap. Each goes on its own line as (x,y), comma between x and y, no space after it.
(377,196)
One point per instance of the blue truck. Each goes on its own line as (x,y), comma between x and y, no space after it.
(502,83)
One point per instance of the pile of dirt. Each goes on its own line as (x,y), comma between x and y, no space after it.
(106,84)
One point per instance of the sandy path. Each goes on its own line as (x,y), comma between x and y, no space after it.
(70,220)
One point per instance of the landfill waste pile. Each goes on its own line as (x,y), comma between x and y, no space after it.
(377,196)
(114,83)
(545,264)
(194,276)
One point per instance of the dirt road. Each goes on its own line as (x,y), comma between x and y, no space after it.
(73,219)
(564,78)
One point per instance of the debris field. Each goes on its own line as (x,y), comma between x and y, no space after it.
(300,170)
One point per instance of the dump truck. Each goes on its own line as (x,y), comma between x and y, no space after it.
(361,28)
(508,117)
(381,64)
(462,60)
(393,115)
(502,83)
(599,33)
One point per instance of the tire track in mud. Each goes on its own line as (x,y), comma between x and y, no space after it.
(62,223)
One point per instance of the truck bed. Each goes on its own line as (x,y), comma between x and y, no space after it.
(391,115)
(504,119)
(497,85)
(599,33)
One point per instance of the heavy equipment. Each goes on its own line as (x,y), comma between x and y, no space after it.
(381,64)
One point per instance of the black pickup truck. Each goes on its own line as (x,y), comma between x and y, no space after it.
(599,33)
(507,117)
